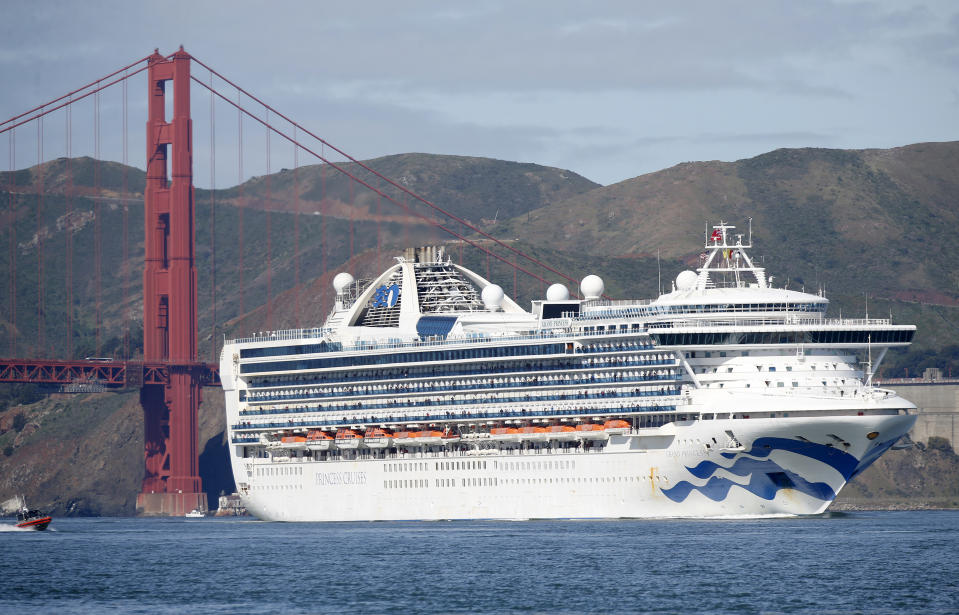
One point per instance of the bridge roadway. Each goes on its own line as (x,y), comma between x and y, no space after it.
(105,372)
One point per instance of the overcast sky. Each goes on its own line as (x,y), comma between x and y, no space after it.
(610,90)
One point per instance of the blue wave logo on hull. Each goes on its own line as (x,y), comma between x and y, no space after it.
(767,477)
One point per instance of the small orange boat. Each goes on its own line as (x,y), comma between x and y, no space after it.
(616,426)
(535,434)
(348,439)
(319,440)
(562,433)
(428,436)
(293,442)
(405,438)
(591,431)
(377,438)
(32,519)
(504,433)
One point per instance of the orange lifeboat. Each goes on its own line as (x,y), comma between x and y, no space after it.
(318,440)
(348,439)
(504,433)
(535,434)
(450,436)
(293,442)
(563,433)
(591,431)
(404,438)
(377,438)
(616,426)
(429,436)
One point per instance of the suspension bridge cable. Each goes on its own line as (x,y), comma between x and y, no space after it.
(377,191)
(78,90)
(391,182)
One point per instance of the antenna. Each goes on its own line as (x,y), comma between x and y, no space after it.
(750,231)
(659,269)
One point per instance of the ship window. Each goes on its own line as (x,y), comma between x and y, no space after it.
(795,384)
(780,384)
(772,369)
(789,368)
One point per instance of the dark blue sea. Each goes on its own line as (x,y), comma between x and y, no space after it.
(863,562)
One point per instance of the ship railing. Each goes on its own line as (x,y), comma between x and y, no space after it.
(313,422)
(566,395)
(617,302)
(595,364)
(472,338)
(358,392)
(283,335)
(767,322)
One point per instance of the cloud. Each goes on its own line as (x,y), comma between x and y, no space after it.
(602,89)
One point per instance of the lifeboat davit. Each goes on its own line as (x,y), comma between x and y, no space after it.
(347,439)
(591,431)
(318,440)
(377,438)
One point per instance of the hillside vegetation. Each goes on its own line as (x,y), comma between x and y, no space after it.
(873,228)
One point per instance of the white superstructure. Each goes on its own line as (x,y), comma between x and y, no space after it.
(429,394)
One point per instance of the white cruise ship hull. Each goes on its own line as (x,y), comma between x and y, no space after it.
(725,397)
(782,466)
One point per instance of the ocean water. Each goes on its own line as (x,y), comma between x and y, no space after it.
(863,562)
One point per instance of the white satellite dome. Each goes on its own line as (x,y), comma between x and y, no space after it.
(592,287)
(557,292)
(492,296)
(341,281)
(686,280)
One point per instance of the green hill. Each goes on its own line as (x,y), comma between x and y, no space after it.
(872,227)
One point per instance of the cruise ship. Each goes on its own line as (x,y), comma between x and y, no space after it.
(429,394)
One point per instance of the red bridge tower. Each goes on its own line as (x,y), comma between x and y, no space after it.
(171,483)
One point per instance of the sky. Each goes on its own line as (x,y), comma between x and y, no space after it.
(609,90)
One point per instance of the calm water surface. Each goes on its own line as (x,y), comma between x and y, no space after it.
(867,562)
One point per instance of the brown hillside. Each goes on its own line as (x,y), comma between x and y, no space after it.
(880,220)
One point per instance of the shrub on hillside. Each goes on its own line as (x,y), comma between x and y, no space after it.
(938,443)
(19,422)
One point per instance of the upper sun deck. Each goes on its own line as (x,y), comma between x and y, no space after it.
(426,298)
